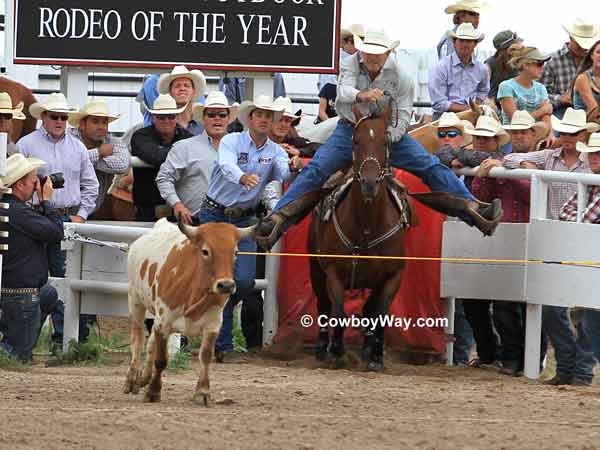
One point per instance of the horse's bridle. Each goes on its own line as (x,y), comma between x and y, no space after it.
(384,171)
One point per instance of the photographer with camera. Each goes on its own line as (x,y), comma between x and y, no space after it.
(25,264)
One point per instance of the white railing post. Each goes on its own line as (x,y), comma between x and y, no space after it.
(449,304)
(582,200)
(72,298)
(539,198)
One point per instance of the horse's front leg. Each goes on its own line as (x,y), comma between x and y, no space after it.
(335,290)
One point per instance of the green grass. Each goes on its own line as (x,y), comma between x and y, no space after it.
(239,341)
(180,361)
(8,362)
(94,350)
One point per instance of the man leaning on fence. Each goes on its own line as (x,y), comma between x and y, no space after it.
(25,266)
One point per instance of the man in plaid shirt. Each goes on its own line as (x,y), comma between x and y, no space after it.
(561,70)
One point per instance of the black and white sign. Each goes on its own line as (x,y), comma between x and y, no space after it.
(260,35)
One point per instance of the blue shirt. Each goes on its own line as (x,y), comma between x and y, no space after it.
(452,82)
(237,156)
(528,99)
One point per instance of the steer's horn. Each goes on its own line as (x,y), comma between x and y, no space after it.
(247,232)
(189,231)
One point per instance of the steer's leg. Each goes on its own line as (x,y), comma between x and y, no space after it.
(137,312)
(212,317)
(149,362)
(160,363)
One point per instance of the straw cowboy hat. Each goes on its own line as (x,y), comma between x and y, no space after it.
(488,127)
(584,32)
(356,29)
(163,105)
(286,104)
(573,121)
(261,102)
(592,146)
(17,166)
(451,120)
(6,107)
(375,42)
(196,76)
(467,5)
(216,99)
(94,107)
(522,120)
(55,102)
(466,31)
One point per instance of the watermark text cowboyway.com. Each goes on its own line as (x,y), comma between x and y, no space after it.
(371,323)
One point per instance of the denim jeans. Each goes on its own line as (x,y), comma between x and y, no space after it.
(593,329)
(245,270)
(19,324)
(463,335)
(407,154)
(574,354)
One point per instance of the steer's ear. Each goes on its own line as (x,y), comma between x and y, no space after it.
(192,233)
(247,232)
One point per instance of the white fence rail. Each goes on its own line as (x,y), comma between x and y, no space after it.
(540,239)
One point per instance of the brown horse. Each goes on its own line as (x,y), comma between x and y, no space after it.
(19,93)
(370,219)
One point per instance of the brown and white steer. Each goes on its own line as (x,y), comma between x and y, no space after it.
(184,276)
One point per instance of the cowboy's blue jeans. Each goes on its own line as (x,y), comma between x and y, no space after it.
(245,270)
(574,354)
(407,154)
(19,324)
(593,327)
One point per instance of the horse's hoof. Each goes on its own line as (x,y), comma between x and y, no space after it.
(374,366)
(338,362)
(201,399)
(321,354)
(152,397)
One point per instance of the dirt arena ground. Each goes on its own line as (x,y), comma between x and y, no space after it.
(263,403)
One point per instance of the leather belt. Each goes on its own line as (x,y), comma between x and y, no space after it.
(34,291)
(68,210)
(234,212)
(346,122)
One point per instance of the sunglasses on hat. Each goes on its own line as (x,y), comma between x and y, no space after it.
(451,134)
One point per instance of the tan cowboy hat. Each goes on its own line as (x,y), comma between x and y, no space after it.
(261,102)
(522,120)
(354,29)
(17,166)
(94,107)
(163,105)
(573,121)
(584,32)
(376,42)
(475,6)
(6,107)
(55,102)
(286,104)
(592,146)
(451,120)
(216,99)
(488,126)
(466,31)
(197,77)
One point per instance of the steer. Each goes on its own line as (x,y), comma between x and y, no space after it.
(184,279)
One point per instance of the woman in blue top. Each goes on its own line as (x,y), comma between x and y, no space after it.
(523,92)
(586,88)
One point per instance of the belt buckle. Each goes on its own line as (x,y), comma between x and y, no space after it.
(233,212)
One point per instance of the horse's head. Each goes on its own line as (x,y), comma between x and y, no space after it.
(371,150)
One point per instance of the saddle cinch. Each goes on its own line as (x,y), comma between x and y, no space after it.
(339,184)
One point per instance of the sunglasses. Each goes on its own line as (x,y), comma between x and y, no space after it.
(539,63)
(220,115)
(58,117)
(451,134)
(165,116)
(6,116)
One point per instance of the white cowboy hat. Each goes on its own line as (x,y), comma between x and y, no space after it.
(573,121)
(584,32)
(163,105)
(216,99)
(94,107)
(522,120)
(488,127)
(592,146)
(466,31)
(451,120)
(261,102)
(286,104)
(475,6)
(375,42)
(6,107)
(196,76)
(354,29)
(17,166)
(55,102)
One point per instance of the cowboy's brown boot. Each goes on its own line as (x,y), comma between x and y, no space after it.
(484,216)
(270,229)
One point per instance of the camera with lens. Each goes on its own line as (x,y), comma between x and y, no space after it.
(58,181)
